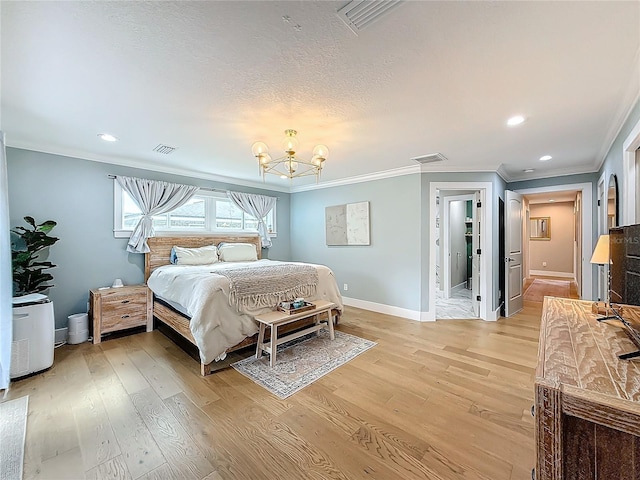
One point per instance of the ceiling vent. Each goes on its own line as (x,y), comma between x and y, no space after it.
(430,158)
(359,14)
(164,149)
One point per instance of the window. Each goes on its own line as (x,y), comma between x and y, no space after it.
(205,212)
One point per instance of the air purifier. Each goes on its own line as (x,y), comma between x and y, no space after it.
(33,335)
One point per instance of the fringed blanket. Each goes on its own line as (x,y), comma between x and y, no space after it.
(265,286)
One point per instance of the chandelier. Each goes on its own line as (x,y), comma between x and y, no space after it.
(289,166)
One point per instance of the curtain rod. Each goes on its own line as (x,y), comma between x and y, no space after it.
(217,190)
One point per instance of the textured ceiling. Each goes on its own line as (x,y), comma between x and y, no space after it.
(210,78)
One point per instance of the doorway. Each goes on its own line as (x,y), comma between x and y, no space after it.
(484,260)
(576,227)
(455,292)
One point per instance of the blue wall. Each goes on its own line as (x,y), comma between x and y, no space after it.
(388,270)
(78,195)
(613,161)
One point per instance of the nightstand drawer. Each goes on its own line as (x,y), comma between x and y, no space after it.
(116,303)
(123,318)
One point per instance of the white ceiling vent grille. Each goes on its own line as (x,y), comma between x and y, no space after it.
(431,158)
(164,149)
(359,14)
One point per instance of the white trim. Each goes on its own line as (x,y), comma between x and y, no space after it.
(460,286)
(587,228)
(60,335)
(628,195)
(486,242)
(494,315)
(548,273)
(631,97)
(520,176)
(382,308)
(144,165)
(396,172)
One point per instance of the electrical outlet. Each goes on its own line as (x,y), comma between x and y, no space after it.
(544,264)
(345,287)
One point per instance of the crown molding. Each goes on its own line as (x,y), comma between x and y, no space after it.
(558,172)
(396,172)
(629,100)
(144,165)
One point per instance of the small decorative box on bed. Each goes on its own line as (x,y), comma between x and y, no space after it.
(214,305)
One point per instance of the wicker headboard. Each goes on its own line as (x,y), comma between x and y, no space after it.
(161,247)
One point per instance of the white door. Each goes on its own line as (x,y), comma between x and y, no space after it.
(513,253)
(475,256)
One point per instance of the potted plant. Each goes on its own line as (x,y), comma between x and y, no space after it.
(28,268)
(33,317)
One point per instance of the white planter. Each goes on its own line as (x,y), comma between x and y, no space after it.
(33,335)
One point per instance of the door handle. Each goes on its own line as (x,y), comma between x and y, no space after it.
(509,259)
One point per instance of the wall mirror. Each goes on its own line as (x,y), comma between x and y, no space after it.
(540,228)
(612,202)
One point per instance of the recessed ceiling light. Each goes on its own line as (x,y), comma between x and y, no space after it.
(517,120)
(283,176)
(528,170)
(544,158)
(551,200)
(107,137)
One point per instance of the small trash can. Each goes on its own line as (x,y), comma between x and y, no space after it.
(78,328)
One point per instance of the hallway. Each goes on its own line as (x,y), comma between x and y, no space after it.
(537,287)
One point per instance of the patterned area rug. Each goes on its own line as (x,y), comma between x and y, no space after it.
(302,361)
(552,288)
(13,427)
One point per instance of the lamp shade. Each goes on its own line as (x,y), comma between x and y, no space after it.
(601,252)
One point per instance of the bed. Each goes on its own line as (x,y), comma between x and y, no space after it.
(196,302)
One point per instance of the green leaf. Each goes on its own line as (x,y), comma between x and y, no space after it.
(47,226)
(30,221)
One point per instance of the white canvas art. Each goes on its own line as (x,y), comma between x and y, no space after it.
(348,224)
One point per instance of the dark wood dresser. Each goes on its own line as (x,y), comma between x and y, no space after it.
(587,400)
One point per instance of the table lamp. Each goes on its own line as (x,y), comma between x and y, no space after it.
(601,257)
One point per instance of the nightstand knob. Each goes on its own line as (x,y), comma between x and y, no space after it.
(125,301)
(125,316)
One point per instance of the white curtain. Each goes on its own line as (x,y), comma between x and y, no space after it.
(258,206)
(6,279)
(153,198)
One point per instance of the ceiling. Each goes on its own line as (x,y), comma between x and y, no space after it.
(210,78)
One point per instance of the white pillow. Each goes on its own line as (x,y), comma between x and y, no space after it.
(195,256)
(237,252)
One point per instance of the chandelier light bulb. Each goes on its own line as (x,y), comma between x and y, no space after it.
(259,148)
(290,142)
(321,151)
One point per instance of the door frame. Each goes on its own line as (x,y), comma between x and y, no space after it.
(587,228)
(486,235)
(445,241)
(629,147)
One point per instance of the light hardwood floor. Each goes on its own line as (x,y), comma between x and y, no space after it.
(443,400)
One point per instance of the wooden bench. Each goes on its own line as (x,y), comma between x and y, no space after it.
(277,318)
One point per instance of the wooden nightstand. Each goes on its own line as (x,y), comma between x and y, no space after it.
(114,309)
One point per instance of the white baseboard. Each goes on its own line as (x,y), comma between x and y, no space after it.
(546,273)
(61,334)
(405,312)
(460,286)
(494,315)
(388,309)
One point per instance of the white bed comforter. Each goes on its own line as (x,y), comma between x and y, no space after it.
(215,324)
